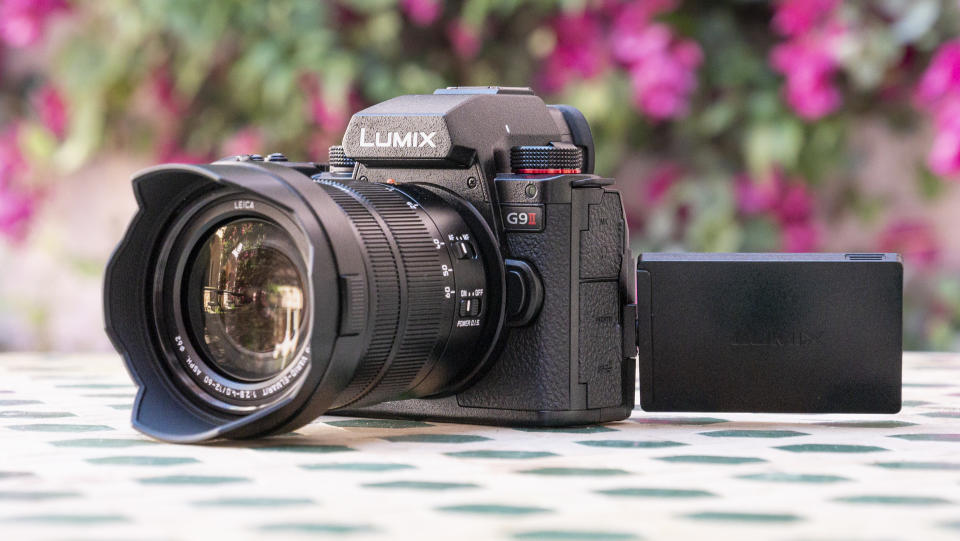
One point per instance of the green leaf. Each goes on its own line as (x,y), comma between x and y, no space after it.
(929,185)
(772,144)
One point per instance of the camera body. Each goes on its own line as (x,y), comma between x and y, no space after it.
(567,356)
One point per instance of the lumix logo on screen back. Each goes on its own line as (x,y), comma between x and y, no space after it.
(766,338)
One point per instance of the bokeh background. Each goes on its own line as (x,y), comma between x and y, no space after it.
(799,125)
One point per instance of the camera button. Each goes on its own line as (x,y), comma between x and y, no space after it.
(464,250)
(524,292)
(469,307)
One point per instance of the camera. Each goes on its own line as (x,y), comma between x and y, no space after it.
(455,260)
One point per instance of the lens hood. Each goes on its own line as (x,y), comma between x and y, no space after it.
(165,195)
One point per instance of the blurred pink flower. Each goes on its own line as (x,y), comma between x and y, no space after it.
(422,12)
(939,93)
(246,141)
(51,109)
(163,89)
(664,76)
(942,76)
(799,237)
(944,156)
(795,17)
(464,39)
(580,50)
(630,41)
(808,58)
(795,204)
(809,67)
(757,197)
(330,117)
(661,179)
(914,239)
(16,209)
(11,159)
(661,66)
(789,203)
(17,205)
(22,22)
(172,152)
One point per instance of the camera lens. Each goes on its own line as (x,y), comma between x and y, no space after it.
(250,298)
(245,299)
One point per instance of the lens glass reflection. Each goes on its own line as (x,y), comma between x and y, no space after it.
(245,299)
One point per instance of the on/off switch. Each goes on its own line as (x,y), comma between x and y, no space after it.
(469,307)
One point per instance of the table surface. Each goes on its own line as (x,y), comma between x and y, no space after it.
(71,467)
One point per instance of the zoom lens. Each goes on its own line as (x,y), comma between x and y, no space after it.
(249,298)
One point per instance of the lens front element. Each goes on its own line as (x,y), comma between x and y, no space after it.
(245,299)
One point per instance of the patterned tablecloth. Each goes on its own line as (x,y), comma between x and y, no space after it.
(72,468)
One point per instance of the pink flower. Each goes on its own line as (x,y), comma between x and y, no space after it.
(580,50)
(631,39)
(799,237)
(757,197)
(164,91)
(795,17)
(16,209)
(808,59)
(661,180)
(422,12)
(464,39)
(22,22)
(939,93)
(942,76)
(661,66)
(17,206)
(330,117)
(914,239)
(664,76)
(51,109)
(245,141)
(172,152)
(11,159)
(809,68)
(791,204)
(795,204)
(944,156)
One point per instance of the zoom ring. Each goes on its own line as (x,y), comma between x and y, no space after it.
(404,333)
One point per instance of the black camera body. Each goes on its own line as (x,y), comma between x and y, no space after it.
(568,355)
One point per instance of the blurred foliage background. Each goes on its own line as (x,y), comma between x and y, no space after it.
(796,125)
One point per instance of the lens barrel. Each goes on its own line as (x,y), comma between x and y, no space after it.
(407,235)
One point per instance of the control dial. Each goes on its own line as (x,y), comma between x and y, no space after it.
(555,158)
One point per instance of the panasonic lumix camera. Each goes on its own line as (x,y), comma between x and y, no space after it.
(458,260)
